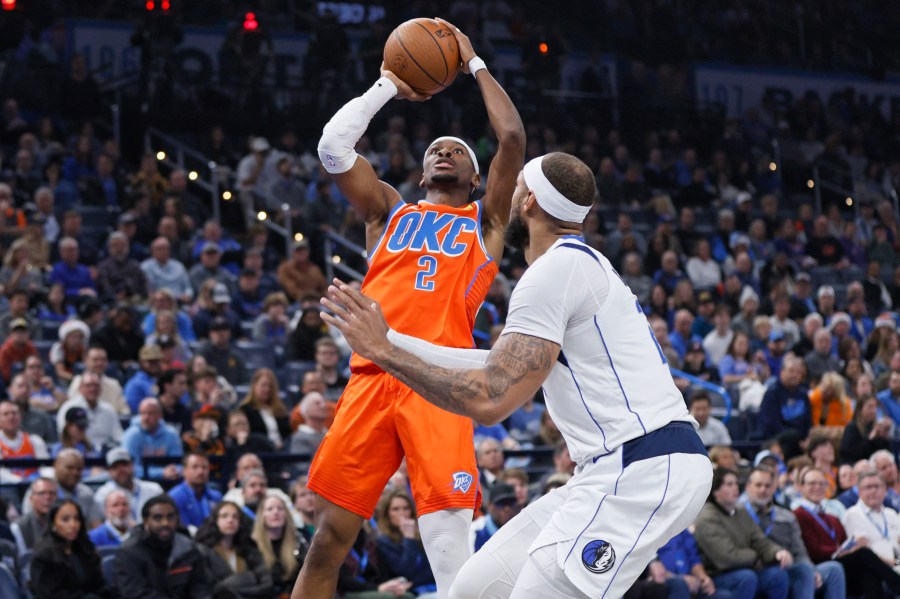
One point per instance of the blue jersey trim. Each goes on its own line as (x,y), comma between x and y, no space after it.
(646,524)
(613,366)
(475,276)
(581,248)
(387,224)
(586,408)
(675,437)
(480,210)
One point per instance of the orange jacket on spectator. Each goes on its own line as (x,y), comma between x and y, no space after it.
(10,353)
(299,281)
(839,412)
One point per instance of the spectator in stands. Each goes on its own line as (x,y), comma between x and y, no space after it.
(824,247)
(327,358)
(780,524)
(67,469)
(120,277)
(870,519)
(65,562)
(16,348)
(824,535)
(308,436)
(502,507)
(733,546)
(111,393)
(239,440)
(310,328)
(886,464)
(271,326)
(517,478)
(232,560)
(166,336)
(717,341)
(165,273)
(172,386)
(634,277)
(151,437)
(703,271)
(210,391)
(489,454)
(157,559)
(866,433)
(31,528)
(737,364)
(74,337)
(209,267)
(253,488)
(669,274)
(74,435)
(164,300)
(400,549)
(264,409)
(889,398)
(142,384)
(121,478)
(785,409)
(34,421)
(117,521)
(282,548)
(748,303)
(851,495)
(219,354)
(682,569)
(829,402)
(18,308)
(219,309)
(75,278)
(247,300)
(821,359)
(299,276)
(255,258)
(195,499)
(15,443)
(681,335)
(119,337)
(802,303)
(304,502)
(695,364)
(776,346)
(711,431)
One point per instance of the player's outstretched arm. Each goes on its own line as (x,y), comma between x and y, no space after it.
(513,371)
(352,173)
(510,157)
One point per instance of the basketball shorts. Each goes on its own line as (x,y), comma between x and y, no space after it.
(378,421)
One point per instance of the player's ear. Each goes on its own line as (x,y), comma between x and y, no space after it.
(422,181)
(476,182)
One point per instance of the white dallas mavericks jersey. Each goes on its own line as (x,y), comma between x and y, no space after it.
(611,382)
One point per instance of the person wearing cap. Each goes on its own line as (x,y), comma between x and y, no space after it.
(19,305)
(703,323)
(298,275)
(748,303)
(839,325)
(16,348)
(255,259)
(502,507)
(74,337)
(142,384)
(695,364)
(247,300)
(255,173)
(228,246)
(162,271)
(76,279)
(121,478)
(785,411)
(210,267)
(35,242)
(220,309)
(103,426)
(119,277)
(219,353)
(150,436)
(776,348)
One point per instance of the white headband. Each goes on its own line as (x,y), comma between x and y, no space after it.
(554,203)
(463,144)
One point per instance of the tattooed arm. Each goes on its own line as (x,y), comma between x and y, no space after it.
(514,370)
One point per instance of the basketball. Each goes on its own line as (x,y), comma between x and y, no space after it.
(424,54)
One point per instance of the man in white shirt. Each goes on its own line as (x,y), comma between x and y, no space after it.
(711,431)
(121,477)
(111,392)
(717,341)
(104,427)
(163,272)
(871,520)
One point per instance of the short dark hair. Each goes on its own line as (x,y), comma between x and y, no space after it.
(571,177)
(195,454)
(700,396)
(167,377)
(157,500)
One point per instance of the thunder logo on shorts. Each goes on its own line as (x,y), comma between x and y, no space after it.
(598,556)
(461,482)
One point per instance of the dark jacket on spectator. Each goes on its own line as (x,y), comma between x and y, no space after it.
(731,541)
(55,575)
(857,446)
(254,581)
(142,572)
(120,345)
(257,425)
(784,408)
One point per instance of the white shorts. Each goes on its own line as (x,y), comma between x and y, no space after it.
(606,524)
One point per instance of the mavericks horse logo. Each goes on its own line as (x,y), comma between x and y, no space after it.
(598,556)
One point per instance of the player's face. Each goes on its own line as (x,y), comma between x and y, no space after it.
(447,162)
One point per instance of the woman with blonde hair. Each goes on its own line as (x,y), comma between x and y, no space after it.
(19,270)
(265,411)
(829,401)
(281,546)
(166,325)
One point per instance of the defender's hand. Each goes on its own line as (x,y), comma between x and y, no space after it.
(359,318)
(404,91)
(466,51)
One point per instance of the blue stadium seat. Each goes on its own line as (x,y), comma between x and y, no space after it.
(825,275)
(853,273)
(49,330)
(108,563)
(97,217)
(294,371)
(105,550)
(25,572)
(9,586)
(256,354)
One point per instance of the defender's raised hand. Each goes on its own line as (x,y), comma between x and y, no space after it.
(359,318)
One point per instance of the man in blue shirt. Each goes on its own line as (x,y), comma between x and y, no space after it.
(684,572)
(117,523)
(142,384)
(151,437)
(890,398)
(785,412)
(193,497)
(75,278)
(503,506)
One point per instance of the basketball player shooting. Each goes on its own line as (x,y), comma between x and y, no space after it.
(578,331)
(431,264)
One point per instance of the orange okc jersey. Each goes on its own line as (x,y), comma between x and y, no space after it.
(430,272)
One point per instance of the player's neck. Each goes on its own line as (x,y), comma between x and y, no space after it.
(541,239)
(447,196)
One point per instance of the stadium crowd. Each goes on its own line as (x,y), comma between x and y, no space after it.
(176,372)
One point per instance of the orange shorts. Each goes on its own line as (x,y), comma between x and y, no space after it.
(378,421)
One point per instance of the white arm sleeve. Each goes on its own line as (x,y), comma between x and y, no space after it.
(449,357)
(339,137)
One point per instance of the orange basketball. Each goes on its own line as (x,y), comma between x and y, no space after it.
(424,54)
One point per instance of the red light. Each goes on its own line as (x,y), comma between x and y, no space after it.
(166,5)
(543,48)
(150,5)
(8,4)
(250,22)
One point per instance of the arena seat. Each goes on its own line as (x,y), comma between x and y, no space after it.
(256,354)
(9,586)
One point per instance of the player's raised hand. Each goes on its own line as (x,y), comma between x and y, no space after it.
(359,318)
(466,51)
(404,91)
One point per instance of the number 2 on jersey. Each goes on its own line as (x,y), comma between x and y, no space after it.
(428,264)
